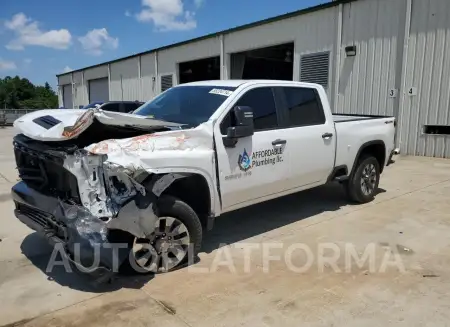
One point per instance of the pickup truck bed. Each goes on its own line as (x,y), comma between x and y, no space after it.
(352,131)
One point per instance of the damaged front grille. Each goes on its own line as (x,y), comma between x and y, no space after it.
(38,216)
(46,220)
(45,173)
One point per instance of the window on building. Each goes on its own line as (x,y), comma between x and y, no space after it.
(436,129)
(315,68)
(303,106)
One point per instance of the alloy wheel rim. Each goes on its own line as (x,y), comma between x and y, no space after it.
(167,247)
(368,179)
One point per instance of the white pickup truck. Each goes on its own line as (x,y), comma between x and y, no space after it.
(156,179)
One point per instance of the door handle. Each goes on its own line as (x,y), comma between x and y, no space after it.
(327,136)
(279,142)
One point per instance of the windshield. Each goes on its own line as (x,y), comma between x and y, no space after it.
(187,105)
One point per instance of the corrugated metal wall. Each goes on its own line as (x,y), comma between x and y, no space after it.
(375,27)
(124,80)
(96,72)
(169,59)
(387,59)
(311,33)
(80,97)
(149,82)
(427,70)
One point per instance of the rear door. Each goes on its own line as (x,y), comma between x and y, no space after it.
(256,167)
(310,135)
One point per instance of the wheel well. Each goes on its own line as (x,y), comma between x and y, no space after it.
(377,150)
(194,191)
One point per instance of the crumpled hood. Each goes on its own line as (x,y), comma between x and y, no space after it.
(137,152)
(66,124)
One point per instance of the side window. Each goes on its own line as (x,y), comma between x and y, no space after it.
(264,110)
(130,106)
(303,106)
(111,107)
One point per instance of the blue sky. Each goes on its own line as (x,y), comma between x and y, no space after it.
(39,39)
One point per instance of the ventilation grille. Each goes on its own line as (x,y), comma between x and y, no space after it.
(47,121)
(315,68)
(166,82)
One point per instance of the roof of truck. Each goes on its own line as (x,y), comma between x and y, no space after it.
(236,82)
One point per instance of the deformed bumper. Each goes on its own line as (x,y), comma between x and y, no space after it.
(84,239)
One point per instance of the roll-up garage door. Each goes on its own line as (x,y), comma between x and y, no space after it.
(67,96)
(98,90)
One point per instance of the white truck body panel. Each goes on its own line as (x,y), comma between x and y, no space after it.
(77,121)
(354,134)
(306,160)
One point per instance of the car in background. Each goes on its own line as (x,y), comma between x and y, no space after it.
(116,106)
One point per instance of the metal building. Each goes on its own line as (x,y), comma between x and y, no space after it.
(378,57)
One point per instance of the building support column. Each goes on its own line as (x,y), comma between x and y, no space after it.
(337,55)
(399,113)
(223,74)
(109,82)
(156,81)
(140,91)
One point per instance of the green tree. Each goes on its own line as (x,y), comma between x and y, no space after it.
(20,93)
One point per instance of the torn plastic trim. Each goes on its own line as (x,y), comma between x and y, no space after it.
(111,192)
(87,233)
(89,171)
(139,217)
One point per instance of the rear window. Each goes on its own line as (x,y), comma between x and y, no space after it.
(304,107)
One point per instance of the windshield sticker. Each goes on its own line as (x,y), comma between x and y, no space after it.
(226,93)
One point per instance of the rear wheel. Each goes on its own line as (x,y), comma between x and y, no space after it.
(363,183)
(178,235)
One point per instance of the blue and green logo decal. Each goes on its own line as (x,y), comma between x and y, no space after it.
(244,161)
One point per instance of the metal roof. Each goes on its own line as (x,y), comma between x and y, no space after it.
(227,31)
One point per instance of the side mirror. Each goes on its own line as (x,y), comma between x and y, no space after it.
(243,125)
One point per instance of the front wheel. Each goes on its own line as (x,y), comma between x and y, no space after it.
(363,183)
(177,236)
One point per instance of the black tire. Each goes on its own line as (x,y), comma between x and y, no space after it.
(170,206)
(356,191)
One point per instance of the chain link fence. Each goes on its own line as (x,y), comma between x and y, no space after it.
(8,116)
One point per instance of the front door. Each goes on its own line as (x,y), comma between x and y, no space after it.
(256,168)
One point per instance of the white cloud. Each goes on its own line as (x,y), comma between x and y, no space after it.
(167,15)
(128,13)
(28,33)
(198,3)
(67,69)
(97,40)
(7,65)
(27,61)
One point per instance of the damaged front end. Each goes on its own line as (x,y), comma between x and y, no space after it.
(76,197)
